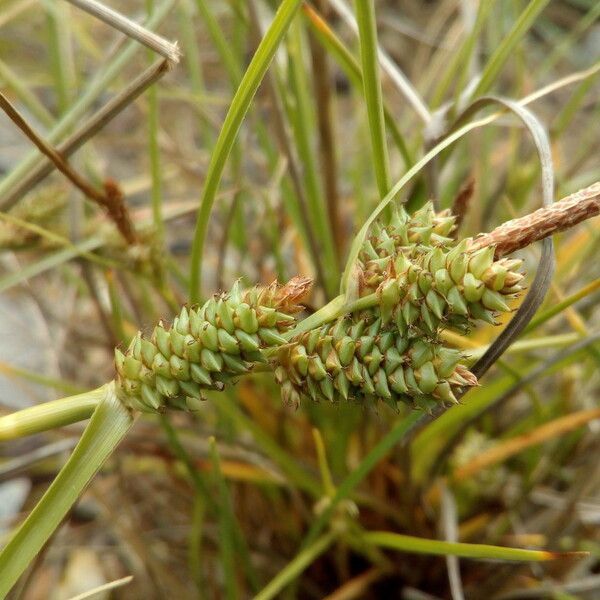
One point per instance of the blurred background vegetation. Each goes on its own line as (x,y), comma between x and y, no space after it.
(215,504)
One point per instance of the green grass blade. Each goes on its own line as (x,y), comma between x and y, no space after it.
(108,426)
(154,150)
(367,28)
(507,46)
(60,385)
(226,526)
(17,85)
(52,260)
(228,406)
(351,67)
(221,43)
(416,545)
(574,36)
(560,306)
(295,567)
(457,65)
(237,111)
(232,541)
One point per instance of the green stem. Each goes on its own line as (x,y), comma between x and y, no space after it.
(50,415)
(332,43)
(108,426)
(331,311)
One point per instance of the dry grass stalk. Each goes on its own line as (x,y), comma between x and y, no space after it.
(130,28)
(86,131)
(520,233)
(111,199)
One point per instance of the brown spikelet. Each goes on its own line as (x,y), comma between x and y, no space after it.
(520,233)
(288,297)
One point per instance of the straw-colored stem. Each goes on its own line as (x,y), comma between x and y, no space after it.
(130,28)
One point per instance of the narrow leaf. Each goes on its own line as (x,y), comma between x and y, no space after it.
(108,426)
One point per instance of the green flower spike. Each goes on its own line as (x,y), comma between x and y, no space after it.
(207,347)
(358,358)
(426,280)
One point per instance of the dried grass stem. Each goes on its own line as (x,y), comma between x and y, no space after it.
(519,233)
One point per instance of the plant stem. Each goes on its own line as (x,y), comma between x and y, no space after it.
(50,415)
(520,233)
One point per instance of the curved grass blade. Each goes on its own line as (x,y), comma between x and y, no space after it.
(108,426)
(541,283)
(237,111)
(400,184)
(543,277)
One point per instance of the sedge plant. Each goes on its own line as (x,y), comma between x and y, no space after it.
(409,334)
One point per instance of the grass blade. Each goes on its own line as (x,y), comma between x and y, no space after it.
(109,424)
(416,545)
(303,121)
(295,567)
(387,442)
(352,69)
(365,16)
